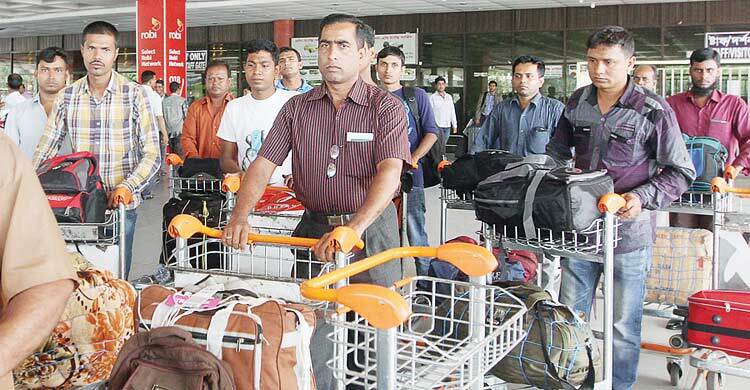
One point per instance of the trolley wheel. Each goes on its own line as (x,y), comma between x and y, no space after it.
(675,373)
(677,341)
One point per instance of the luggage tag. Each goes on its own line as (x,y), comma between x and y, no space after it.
(201,300)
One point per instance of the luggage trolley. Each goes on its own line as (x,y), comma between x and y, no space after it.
(731,213)
(398,338)
(109,233)
(595,243)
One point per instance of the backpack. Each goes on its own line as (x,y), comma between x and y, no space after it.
(201,168)
(709,157)
(83,347)
(559,351)
(74,188)
(431,160)
(168,358)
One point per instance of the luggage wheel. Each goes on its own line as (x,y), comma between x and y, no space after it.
(675,372)
(677,341)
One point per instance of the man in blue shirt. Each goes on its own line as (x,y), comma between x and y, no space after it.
(422,135)
(290,63)
(525,123)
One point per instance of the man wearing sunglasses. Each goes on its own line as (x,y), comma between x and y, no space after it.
(247,120)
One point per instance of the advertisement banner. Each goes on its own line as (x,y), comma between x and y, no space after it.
(308,50)
(196,60)
(175,44)
(161,39)
(407,42)
(730,45)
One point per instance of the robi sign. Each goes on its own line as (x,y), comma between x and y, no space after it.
(162,42)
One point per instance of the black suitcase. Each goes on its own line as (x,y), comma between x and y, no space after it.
(196,206)
(561,199)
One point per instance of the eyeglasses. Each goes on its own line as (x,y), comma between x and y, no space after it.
(333,153)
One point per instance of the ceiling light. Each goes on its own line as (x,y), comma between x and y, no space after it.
(593,5)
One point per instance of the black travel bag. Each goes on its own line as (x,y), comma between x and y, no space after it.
(208,209)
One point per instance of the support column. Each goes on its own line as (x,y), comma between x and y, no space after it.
(283,31)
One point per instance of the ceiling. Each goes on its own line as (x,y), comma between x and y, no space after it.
(51,17)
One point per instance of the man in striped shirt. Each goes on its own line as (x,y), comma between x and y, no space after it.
(108,115)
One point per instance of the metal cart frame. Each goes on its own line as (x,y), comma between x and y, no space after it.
(109,232)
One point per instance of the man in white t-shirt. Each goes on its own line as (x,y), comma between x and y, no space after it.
(247,120)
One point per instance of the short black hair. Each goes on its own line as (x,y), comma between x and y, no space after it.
(160,81)
(365,33)
(392,51)
(101,27)
(147,75)
(440,78)
(287,49)
(174,87)
(493,82)
(48,55)
(705,54)
(15,81)
(215,64)
(258,45)
(612,36)
(530,60)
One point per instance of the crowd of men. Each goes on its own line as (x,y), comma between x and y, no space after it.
(343,147)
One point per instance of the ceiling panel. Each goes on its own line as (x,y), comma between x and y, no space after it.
(49,17)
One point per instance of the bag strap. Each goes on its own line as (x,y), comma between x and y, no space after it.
(411,100)
(528,220)
(588,382)
(303,368)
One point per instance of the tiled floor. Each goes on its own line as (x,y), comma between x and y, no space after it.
(652,367)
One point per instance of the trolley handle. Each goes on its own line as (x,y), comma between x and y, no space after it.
(442,165)
(174,159)
(231,183)
(731,172)
(611,203)
(383,307)
(122,196)
(186,226)
(720,185)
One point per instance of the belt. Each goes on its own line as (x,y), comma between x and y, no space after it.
(329,218)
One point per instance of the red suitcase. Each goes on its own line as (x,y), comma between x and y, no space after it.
(720,320)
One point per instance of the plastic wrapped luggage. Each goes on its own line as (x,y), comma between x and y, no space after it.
(718,320)
(680,265)
(531,196)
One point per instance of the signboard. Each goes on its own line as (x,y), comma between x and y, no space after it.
(730,45)
(553,71)
(197,60)
(161,39)
(407,42)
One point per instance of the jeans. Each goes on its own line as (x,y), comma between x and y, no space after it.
(579,281)
(447,133)
(415,230)
(131,216)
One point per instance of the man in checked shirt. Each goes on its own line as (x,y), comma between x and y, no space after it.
(108,115)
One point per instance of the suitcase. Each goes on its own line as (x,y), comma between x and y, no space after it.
(720,320)
(680,265)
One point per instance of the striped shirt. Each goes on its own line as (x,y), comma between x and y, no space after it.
(369,127)
(120,130)
(638,142)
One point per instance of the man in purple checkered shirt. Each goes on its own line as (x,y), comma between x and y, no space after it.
(631,132)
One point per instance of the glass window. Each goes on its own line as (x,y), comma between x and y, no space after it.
(576,45)
(454,78)
(442,49)
(679,42)
(126,63)
(76,66)
(489,49)
(229,53)
(547,45)
(647,43)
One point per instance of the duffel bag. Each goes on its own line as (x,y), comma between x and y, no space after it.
(490,162)
(265,342)
(709,157)
(74,189)
(462,174)
(208,210)
(718,320)
(528,197)
(84,345)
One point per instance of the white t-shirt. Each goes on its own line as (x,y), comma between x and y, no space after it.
(247,121)
(154,100)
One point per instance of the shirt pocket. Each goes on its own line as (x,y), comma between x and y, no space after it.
(622,146)
(581,138)
(358,159)
(537,139)
(719,129)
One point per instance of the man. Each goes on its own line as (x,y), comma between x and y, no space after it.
(365,63)
(15,81)
(444,109)
(632,132)
(148,82)
(247,120)
(485,103)
(26,121)
(422,133)
(705,111)
(204,115)
(159,88)
(645,76)
(291,63)
(175,109)
(108,115)
(524,123)
(37,277)
(346,164)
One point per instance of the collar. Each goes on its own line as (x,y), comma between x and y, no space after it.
(436,93)
(626,100)
(358,94)
(36,99)
(204,100)
(716,96)
(110,87)
(280,84)
(535,100)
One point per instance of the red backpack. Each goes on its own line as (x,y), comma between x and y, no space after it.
(74,188)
